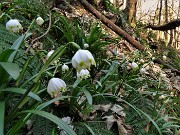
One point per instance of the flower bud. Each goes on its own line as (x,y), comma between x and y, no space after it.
(164,58)
(86,45)
(49,54)
(151,63)
(56,86)
(142,71)
(134,65)
(39,21)
(146,66)
(13,25)
(82,59)
(83,74)
(141,61)
(65,68)
(162,75)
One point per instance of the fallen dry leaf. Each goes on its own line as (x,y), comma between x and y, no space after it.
(118,109)
(109,121)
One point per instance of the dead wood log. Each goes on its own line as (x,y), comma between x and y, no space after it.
(111,25)
(167,26)
(159,61)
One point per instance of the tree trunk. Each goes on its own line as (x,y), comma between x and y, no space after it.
(160,10)
(111,25)
(131,11)
(166,20)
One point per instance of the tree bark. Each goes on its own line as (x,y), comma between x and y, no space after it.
(160,10)
(167,26)
(131,11)
(111,25)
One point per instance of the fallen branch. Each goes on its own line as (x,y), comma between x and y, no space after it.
(159,61)
(168,26)
(111,25)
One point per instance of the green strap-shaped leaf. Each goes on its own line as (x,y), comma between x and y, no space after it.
(2,112)
(17,45)
(43,105)
(4,56)
(88,95)
(54,119)
(22,91)
(11,68)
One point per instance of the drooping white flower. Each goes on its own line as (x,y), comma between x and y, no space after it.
(141,61)
(86,45)
(83,74)
(65,68)
(162,75)
(13,25)
(39,21)
(134,65)
(143,71)
(164,58)
(82,59)
(146,66)
(151,63)
(56,86)
(49,54)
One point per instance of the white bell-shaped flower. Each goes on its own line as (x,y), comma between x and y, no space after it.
(141,61)
(164,58)
(49,54)
(146,66)
(39,21)
(134,65)
(83,74)
(13,25)
(83,59)
(65,68)
(56,86)
(162,75)
(143,71)
(86,45)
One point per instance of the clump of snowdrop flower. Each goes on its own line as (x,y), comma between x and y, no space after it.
(55,87)
(65,68)
(83,74)
(49,54)
(39,21)
(86,45)
(13,25)
(83,59)
(134,65)
(164,58)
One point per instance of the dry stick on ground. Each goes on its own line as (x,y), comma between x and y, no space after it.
(167,26)
(41,35)
(111,25)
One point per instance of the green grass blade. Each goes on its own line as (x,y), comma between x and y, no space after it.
(2,112)
(22,91)
(43,105)
(11,68)
(88,95)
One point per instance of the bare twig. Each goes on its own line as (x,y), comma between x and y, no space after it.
(41,35)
